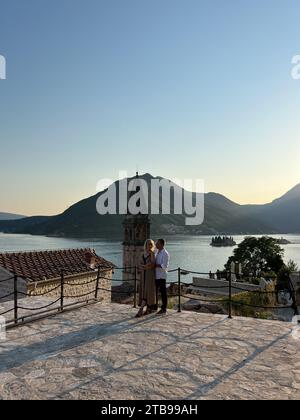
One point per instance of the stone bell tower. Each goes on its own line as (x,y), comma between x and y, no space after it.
(136,231)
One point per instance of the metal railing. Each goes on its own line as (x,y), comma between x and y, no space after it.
(94,295)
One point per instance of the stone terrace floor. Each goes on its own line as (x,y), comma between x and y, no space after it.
(103,352)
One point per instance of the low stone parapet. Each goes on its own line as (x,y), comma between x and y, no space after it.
(215,286)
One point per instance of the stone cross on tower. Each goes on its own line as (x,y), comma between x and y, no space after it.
(136,231)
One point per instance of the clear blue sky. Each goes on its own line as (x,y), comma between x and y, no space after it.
(181,88)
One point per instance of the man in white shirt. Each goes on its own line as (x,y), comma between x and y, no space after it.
(162,260)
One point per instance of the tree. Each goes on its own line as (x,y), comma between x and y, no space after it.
(257,256)
(292,266)
(283,278)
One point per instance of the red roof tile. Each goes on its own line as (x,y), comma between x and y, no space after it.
(44,265)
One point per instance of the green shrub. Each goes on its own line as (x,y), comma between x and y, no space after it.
(283,278)
(259,300)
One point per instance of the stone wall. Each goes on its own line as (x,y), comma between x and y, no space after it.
(205,282)
(79,287)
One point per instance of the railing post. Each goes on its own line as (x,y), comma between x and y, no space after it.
(135,287)
(97,283)
(296,312)
(230,296)
(294,297)
(16,299)
(62,290)
(179,289)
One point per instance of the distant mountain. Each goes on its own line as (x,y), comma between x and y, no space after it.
(283,213)
(10,216)
(222,216)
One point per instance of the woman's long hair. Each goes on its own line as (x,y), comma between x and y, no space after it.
(152,245)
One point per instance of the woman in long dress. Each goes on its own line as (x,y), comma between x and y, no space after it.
(147,290)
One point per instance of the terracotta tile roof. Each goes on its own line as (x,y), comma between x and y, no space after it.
(44,265)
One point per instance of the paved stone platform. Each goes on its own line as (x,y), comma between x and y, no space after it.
(103,352)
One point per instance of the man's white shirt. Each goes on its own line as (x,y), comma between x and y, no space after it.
(162,258)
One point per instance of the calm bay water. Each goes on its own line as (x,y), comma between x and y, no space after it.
(189,252)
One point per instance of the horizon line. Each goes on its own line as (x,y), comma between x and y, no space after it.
(131,177)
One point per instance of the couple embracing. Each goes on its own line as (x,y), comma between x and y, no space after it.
(154,268)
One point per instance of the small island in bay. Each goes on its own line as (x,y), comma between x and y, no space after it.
(283,241)
(219,241)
